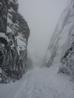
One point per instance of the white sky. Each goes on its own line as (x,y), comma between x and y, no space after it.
(42,17)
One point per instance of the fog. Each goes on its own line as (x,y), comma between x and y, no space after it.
(42,17)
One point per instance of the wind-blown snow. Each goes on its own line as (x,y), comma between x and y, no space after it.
(39,83)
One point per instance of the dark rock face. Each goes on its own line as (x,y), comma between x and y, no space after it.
(3,14)
(14,34)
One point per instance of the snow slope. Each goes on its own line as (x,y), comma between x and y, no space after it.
(39,83)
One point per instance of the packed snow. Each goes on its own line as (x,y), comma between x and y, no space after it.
(39,83)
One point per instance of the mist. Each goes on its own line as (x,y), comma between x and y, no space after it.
(42,17)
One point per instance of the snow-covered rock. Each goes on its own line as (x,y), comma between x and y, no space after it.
(61,44)
(14,34)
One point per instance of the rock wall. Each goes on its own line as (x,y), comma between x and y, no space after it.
(61,48)
(14,34)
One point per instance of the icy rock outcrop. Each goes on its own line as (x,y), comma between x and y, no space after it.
(61,47)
